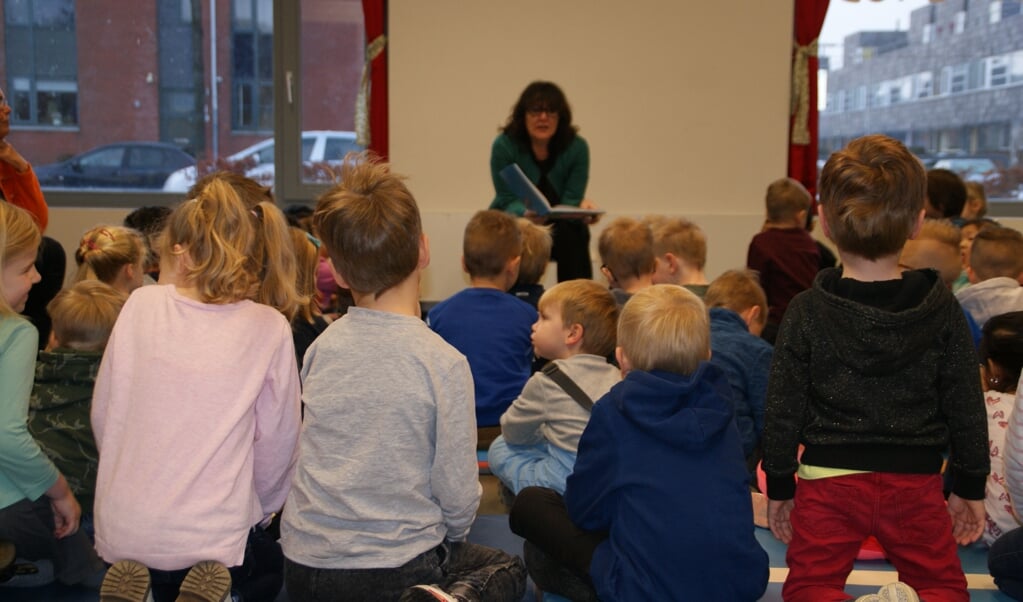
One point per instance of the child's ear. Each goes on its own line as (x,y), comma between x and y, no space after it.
(513,266)
(338,278)
(623,361)
(751,315)
(424,252)
(574,335)
(52,342)
(919,224)
(824,221)
(464,269)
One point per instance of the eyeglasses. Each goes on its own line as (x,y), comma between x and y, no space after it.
(537,111)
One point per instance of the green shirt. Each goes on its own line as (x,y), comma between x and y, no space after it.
(568,175)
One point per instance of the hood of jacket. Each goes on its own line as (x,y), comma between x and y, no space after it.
(685,411)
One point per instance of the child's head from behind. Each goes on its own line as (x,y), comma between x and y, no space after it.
(996,252)
(207,245)
(149,221)
(84,314)
(936,246)
(976,201)
(583,305)
(492,245)
(679,246)
(871,196)
(114,255)
(1001,351)
(307,258)
(370,227)
(946,193)
(740,291)
(19,244)
(536,251)
(626,248)
(787,200)
(663,327)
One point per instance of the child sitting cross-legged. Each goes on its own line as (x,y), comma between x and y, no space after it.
(658,506)
(540,431)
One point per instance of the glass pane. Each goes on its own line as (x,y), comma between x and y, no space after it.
(329,28)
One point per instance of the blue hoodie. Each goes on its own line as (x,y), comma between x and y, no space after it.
(661,469)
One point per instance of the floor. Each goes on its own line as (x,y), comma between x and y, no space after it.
(491,528)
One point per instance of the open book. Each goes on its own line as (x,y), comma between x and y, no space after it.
(535,200)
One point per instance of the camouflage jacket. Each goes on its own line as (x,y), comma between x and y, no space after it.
(58,417)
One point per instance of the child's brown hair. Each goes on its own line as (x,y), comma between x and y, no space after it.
(664,327)
(492,239)
(997,252)
(680,237)
(871,194)
(737,290)
(370,226)
(590,305)
(84,314)
(626,248)
(785,198)
(536,251)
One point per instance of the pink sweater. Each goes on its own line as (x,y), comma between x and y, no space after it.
(196,416)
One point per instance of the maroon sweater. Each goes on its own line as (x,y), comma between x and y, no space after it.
(787,260)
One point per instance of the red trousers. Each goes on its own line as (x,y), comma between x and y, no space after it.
(905,512)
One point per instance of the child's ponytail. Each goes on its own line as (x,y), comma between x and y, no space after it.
(273,261)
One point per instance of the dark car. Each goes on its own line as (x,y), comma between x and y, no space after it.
(120,165)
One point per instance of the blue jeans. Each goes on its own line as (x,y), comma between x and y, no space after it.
(521,466)
(495,575)
(1005,562)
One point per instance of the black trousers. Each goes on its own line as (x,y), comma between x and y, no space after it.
(571,249)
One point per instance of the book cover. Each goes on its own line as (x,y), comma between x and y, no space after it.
(535,200)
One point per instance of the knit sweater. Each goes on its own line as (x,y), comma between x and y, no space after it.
(871,388)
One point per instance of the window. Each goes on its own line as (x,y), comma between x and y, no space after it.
(923,84)
(958,75)
(960,22)
(928,33)
(252,65)
(994,11)
(42,82)
(997,71)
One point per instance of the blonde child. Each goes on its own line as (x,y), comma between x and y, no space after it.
(196,411)
(680,247)
(536,254)
(976,202)
(309,321)
(540,431)
(38,511)
(114,255)
(83,316)
(626,248)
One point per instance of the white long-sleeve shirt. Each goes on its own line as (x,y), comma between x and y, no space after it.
(1013,456)
(196,416)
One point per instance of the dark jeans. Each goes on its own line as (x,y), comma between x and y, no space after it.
(29,526)
(1005,562)
(258,579)
(571,249)
(491,573)
(557,552)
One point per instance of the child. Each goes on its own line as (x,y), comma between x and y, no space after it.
(967,232)
(38,512)
(149,221)
(783,254)
(661,443)
(874,373)
(945,196)
(386,486)
(309,321)
(975,206)
(738,309)
(1005,560)
(995,269)
(626,248)
(490,327)
(536,254)
(114,255)
(196,408)
(540,431)
(1001,356)
(680,248)
(83,316)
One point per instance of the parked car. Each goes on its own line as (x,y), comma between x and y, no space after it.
(320,149)
(972,169)
(119,165)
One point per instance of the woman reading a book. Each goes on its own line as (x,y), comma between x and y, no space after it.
(539,137)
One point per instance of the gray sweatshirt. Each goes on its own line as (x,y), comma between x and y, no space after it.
(387,463)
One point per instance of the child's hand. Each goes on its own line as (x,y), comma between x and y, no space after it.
(778,519)
(66,511)
(967,519)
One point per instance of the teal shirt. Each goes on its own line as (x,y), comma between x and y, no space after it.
(25,471)
(568,176)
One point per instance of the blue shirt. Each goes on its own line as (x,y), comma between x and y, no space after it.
(492,330)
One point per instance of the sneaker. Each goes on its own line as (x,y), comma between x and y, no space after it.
(427,593)
(893,592)
(126,581)
(207,581)
(26,573)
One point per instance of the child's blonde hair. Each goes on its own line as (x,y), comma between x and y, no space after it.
(664,327)
(19,234)
(626,248)
(680,237)
(536,251)
(84,314)
(492,239)
(997,252)
(307,260)
(370,226)
(105,250)
(590,305)
(785,198)
(936,246)
(271,258)
(737,290)
(975,192)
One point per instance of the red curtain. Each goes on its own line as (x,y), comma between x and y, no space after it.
(809,19)
(375,17)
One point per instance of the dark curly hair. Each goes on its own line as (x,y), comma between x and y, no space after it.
(543,95)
